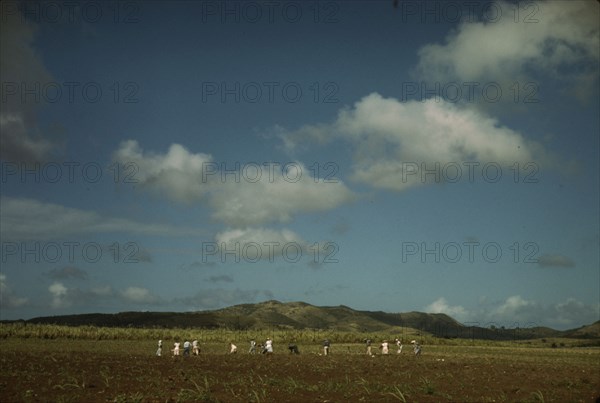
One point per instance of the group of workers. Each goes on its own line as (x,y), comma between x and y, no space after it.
(267,347)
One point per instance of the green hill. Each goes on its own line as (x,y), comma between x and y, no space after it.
(300,315)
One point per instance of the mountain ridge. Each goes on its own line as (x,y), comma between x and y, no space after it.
(301,315)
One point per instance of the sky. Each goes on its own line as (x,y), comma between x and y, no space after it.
(384,155)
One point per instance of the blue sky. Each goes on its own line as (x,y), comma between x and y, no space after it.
(182,156)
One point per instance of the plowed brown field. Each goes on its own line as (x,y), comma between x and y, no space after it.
(115,371)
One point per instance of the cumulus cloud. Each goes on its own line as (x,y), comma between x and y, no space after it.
(395,142)
(572,311)
(555,261)
(254,244)
(563,42)
(517,311)
(8,299)
(20,138)
(30,219)
(441,306)
(561,315)
(277,198)
(178,174)
(59,292)
(261,193)
(516,308)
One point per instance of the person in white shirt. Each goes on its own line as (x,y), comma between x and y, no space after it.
(268,346)
(159,350)
(399,344)
(195,347)
(385,347)
(326,345)
(176,348)
(186,348)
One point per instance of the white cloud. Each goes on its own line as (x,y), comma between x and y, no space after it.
(178,174)
(564,36)
(59,295)
(256,196)
(7,298)
(253,244)
(572,311)
(20,138)
(30,219)
(139,295)
(515,308)
(276,199)
(396,142)
(516,311)
(310,134)
(524,312)
(441,306)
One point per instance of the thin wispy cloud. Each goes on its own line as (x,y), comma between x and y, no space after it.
(30,219)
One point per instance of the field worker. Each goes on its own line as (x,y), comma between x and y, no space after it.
(268,347)
(399,344)
(416,348)
(186,348)
(326,345)
(159,350)
(385,347)
(232,348)
(293,348)
(252,347)
(176,348)
(368,343)
(195,347)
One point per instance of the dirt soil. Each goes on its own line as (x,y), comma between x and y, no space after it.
(45,371)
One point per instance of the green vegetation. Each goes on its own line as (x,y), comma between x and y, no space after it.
(350,340)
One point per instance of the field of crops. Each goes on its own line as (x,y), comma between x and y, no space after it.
(45,363)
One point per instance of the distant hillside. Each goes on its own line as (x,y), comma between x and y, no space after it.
(585,332)
(300,315)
